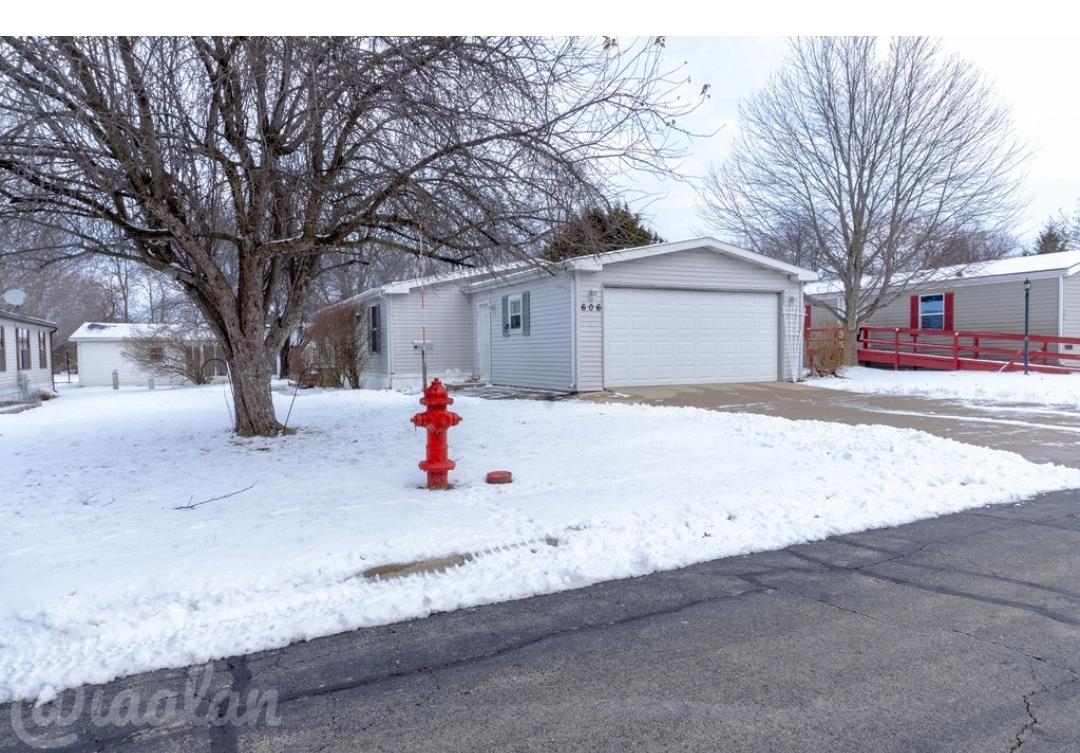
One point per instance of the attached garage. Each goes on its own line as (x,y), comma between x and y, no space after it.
(688,312)
(656,336)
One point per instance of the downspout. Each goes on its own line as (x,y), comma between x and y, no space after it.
(1061,306)
(573,330)
(52,366)
(389,328)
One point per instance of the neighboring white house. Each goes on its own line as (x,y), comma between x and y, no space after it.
(25,356)
(101,351)
(690,312)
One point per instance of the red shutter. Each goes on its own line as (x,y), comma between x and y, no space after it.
(914,324)
(948,312)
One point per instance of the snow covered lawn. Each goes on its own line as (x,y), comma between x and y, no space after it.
(103,576)
(1061,390)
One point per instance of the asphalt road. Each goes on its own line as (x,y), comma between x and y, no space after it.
(955,634)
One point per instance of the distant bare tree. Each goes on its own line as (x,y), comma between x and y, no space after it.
(333,341)
(232,164)
(966,248)
(174,350)
(884,153)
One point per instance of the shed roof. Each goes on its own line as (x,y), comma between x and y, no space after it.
(117,331)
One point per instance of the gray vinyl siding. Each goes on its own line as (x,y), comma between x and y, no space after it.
(543,358)
(991,307)
(690,270)
(446,318)
(40,376)
(590,332)
(1071,309)
(821,316)
(697,270)
(374,364)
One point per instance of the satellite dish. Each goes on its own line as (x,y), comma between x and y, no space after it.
(15,297)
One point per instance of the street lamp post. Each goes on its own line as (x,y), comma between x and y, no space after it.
(1027,312)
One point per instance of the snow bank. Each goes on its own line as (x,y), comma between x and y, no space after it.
(104,577)
(975,386)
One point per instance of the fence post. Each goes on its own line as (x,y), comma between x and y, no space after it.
(956,351)
(896,349)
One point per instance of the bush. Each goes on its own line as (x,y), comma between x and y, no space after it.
(334,339)
(825,350)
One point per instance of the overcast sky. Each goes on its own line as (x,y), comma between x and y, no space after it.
(1035,78)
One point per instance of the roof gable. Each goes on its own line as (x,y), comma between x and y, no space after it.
(598,261)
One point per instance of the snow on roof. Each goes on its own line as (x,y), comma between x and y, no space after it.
(122,331)
(495,273)
(1061,263)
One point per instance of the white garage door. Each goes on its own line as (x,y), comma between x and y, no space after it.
(689,337)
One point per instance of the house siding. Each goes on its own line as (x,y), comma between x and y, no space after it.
(445,317)
(98,358)
(39,376)
(1070,325)
(590,332)
(983,307)
(705,270)
(375,370)
(542,359)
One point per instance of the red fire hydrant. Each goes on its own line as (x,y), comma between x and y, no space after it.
(436,419)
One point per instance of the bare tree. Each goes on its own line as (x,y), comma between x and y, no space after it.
(971,247)
(333,341)
(174,350)
(884,153)
(233,164)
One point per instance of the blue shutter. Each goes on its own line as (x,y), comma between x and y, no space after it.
(506,316)
(525,313)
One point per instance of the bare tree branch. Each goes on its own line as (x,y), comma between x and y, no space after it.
(870,163)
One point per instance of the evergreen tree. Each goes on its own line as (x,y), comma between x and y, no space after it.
(597,230)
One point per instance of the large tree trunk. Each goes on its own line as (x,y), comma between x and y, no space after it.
(252,397)
(851,335)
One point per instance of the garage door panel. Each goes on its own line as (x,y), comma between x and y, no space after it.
(682,337)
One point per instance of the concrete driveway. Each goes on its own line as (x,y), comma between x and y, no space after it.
(1040,434)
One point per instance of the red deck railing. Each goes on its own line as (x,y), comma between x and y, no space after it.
(978,351)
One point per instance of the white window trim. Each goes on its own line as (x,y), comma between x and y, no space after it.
(922,300)
(510,301)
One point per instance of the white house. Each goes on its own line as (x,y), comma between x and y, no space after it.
(25,356)
(101,351)
(690,312)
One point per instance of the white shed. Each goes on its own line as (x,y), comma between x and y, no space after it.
(690,312)
(101,352)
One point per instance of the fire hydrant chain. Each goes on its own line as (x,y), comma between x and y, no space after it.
(437,420)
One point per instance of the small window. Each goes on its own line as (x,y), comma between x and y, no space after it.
(22,348)
(373,330)
(43,349)
(514,312)
(932,311)
(157,353)
(3,350)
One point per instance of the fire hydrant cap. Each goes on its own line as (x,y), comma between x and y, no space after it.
(499,477)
